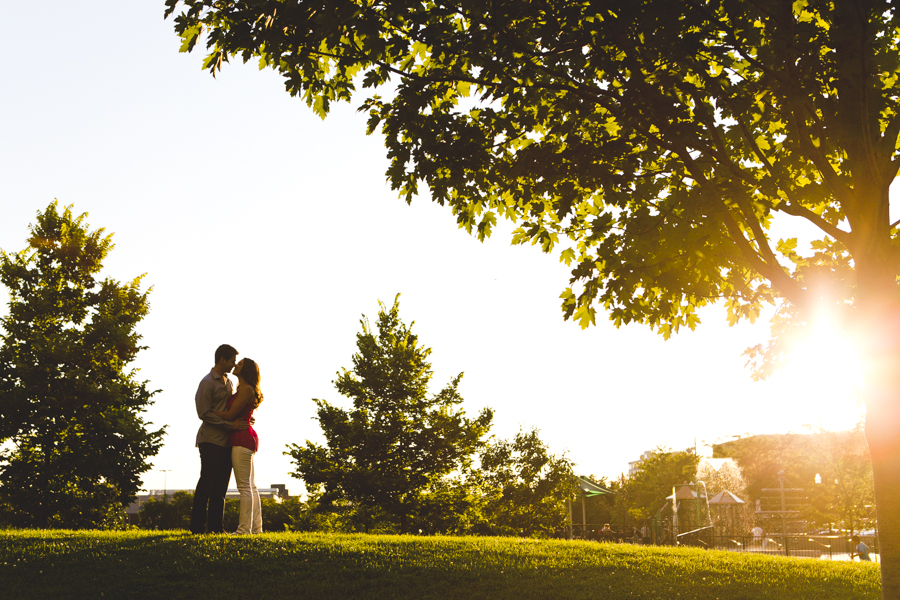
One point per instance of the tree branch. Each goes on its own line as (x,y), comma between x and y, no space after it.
(818,158)
(780,280)
(798,210)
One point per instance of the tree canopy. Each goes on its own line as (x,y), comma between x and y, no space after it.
(69,404)
(398,440)
(524,486)
(651,142)
(832,468)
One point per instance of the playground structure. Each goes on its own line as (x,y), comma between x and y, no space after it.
(690,517)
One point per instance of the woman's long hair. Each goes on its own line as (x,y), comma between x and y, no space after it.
(250,374)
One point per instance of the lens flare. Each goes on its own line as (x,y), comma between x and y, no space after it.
(823,378)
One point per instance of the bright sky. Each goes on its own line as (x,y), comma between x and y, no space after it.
(262,226)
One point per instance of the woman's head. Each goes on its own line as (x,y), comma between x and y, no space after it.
(248,371)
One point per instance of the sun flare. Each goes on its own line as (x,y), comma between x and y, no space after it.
(822,379)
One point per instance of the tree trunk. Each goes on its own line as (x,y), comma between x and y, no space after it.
(876,326)
(883,436)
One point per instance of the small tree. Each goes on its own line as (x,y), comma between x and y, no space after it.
(724,477)
(844,492)
(720,477)
(69,405)
(645,492)
(527,487)
(284,514)
(169,513)
(397,440)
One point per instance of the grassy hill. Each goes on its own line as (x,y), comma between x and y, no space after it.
(144,564)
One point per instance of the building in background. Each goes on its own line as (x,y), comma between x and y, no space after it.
(277,492)
(634,466)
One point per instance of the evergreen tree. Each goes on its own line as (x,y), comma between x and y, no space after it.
(70,408)
(397,440)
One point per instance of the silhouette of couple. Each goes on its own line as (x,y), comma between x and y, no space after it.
(227,441)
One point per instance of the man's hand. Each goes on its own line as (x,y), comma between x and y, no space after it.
(239,425)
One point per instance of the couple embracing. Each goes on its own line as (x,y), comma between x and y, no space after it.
(227,441)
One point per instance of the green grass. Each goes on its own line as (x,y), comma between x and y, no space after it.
(144,564)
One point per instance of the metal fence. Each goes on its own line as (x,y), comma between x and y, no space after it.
(830,547)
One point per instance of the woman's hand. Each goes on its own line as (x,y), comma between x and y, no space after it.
(235,425)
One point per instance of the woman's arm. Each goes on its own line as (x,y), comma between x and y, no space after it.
(244,394)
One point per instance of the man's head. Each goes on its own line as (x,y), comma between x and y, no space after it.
(854,539)
(225,357)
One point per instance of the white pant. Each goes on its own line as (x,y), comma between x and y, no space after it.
(251,515)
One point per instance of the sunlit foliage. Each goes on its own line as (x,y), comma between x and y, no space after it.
(398,440)
(70,406)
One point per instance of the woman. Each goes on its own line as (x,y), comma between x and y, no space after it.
(245,443)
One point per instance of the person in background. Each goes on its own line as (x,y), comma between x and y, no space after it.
(862,551)
(606,534)
(758,534)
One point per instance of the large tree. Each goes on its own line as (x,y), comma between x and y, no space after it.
(70,406)
(398,440)
(653,143)
(833,469)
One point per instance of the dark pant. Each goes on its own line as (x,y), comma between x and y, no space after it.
(209,497)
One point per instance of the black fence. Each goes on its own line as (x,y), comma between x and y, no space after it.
(831,546)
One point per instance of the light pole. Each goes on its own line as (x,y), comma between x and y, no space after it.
(165,473)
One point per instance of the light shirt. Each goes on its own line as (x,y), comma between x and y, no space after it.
(212,396)
(863,551)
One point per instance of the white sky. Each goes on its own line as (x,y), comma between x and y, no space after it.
(262,226)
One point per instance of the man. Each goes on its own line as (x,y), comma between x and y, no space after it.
(212,440)
(862,551)
(758,534)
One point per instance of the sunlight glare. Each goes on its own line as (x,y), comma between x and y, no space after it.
(822,379)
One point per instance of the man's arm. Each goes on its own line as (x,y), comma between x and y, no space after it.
(204,401)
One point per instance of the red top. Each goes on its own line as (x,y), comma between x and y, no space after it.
(247,437)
